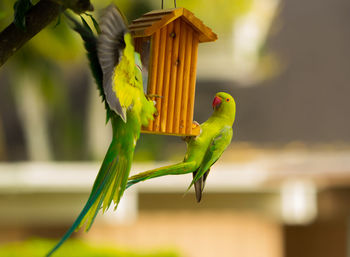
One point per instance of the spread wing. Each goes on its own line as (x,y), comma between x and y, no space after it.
(117,58)
(217,146)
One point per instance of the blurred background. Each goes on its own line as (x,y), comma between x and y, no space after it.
(282,189)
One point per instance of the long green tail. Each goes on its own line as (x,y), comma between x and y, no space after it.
(175,169)
(109,185)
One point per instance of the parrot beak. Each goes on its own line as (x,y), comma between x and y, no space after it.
(216,102)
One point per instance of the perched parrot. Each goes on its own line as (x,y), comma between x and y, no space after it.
(202,150)
(116,68)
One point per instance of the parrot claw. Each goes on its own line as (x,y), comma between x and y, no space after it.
(155,114)
(186,138)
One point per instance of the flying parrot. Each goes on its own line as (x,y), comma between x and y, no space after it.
(116,68)
(202,150)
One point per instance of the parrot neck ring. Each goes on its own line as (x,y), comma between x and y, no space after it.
(217,102)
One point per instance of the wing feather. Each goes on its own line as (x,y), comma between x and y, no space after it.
(110,47)
(217,146)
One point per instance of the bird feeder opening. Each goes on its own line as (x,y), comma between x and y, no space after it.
(167,41)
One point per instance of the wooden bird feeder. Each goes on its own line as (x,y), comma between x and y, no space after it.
(168,43)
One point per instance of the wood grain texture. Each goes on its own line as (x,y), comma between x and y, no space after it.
(173,76)
(192,87)
(179,78)
(166,77)
(186,81)
(160,75)
(152,73)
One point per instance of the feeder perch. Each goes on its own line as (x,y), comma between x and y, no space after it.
(167,41)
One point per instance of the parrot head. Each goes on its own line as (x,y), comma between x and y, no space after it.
(224,103)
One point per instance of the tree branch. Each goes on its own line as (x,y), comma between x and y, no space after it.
(38,17)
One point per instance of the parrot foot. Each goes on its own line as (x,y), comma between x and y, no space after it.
(195,124)
(186,138)
(156,114)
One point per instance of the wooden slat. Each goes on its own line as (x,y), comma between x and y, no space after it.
(160,12)
(179,78)
(147,19)
(173,77)
(167,19)
(186,80)
(155,42)
(137,32)
(191,94)
(153,64)
(151,22)
(141,25)
(160,75)
(166,78)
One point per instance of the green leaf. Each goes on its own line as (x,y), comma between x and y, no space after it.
(21,7)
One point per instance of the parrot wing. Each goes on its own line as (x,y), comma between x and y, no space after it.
(217,146)
(117,59)
(90,44)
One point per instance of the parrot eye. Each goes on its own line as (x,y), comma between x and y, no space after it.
(227,99)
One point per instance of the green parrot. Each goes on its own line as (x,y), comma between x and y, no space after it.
(116,68)
(202,150)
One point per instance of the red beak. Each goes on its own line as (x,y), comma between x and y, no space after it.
(216,102)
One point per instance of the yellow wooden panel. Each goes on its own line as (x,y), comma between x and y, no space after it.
(186,80)
(160,74)
(193,72)
(166,78)
(173,76)
(179,78)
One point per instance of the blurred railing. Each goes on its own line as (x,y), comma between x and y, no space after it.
(55,192)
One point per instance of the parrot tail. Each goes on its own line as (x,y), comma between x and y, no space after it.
(109,186)
(199,185)
(175,169)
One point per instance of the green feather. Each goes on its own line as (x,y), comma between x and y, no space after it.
(112,177)
(90,44)
(176,169)
(92,199)
(113,171)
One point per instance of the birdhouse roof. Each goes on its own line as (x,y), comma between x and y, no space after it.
(152,21)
